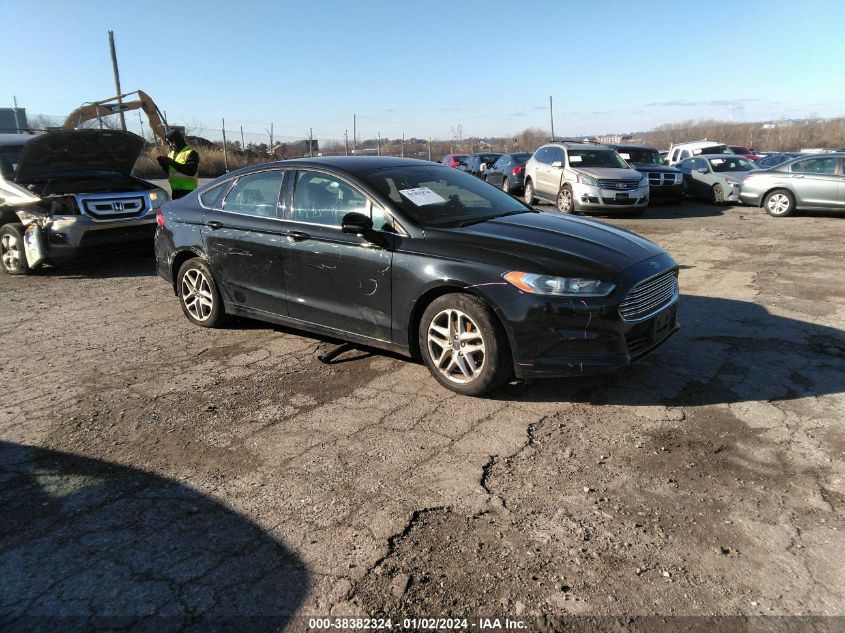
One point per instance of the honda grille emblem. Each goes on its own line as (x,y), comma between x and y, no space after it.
(117,206)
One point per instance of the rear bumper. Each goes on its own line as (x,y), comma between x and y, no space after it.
(751,197)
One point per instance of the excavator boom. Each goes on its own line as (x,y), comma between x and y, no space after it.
(116,105)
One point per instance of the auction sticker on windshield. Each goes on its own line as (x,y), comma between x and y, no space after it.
(422,196)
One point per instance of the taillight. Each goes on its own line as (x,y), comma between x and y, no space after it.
(160,218)
(518,170)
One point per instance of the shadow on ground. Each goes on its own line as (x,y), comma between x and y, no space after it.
(86,544)
(727,351)
(132,261)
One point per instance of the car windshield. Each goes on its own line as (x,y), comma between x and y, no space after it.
(641,156)
(9,155)
(596,158)
(734,163)
(522,158)
(489,158)
(438,197)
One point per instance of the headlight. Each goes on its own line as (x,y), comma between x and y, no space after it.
(158,197)
(558,286)
(644,180)
(735,183)
(584,179)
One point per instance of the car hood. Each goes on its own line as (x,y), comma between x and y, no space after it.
(66,152)
(612,173)
(554,243)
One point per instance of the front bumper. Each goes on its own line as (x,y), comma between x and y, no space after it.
(588,197)
(732,192)
(660,193)
(556,337)
(70,236)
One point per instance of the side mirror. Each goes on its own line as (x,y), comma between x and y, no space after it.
(703,170)
(356,223)
(557,163)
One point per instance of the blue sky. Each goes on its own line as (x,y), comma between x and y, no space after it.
(423,67)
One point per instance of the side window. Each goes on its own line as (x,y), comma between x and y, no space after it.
(543,154)
(699,163)
(256,194)
(816,166)
(557,155)
(685,154)
(322,199)
(685,166)
(213,198)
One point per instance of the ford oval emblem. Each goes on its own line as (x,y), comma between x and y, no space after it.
(655,265)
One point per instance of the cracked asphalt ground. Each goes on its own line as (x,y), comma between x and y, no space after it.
(158,474)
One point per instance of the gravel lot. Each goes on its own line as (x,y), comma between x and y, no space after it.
(151,468)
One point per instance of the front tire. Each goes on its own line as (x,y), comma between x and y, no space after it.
(529,193)
(717,195)
(779,203)
(198,294)
(12,249)
(463,346)
(565,201)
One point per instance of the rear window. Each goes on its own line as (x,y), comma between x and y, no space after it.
(213,198)
(489,158)
(713,149)
(641,156)
(9,155)
(733,163)
(521,158)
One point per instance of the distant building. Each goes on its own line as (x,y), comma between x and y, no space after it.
(13,120)
(609,139)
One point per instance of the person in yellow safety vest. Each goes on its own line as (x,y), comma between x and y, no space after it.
(181,165)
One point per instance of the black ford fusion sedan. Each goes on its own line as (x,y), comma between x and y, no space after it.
(420,259)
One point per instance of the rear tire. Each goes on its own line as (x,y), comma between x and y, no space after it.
(779,203)
(198,294)
(464,346)
(12,249)
(506,186)
(529,193)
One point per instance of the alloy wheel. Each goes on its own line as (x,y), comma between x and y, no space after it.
(11,250)
(197,295)
(456,346)
(564,201)
(778,204)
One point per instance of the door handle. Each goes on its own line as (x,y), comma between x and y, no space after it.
(298,236)
(796,176)
(214,225)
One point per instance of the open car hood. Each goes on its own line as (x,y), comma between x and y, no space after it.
(67,152)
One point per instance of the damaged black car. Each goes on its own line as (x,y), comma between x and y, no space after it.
(70,192)
(420,259)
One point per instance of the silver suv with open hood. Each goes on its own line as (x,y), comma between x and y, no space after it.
(68,192)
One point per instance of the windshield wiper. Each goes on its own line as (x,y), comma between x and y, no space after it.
(491,217)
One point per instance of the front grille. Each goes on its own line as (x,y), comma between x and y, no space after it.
(650,296)
(114,208)
(661,179)
(619,185)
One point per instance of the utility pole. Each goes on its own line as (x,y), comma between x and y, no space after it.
(354,134)
(403,145)
(378,143)
(116,78)
(310,141)
(429,148)
(225,154)
(552,117)
(346,140)
(270,131)
(243,145)
(17,120)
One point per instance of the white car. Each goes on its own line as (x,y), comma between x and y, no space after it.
(681,151)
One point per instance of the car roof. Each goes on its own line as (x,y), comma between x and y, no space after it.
(722,156)
(350,164)
(629,146)
(577,145)
(15,139)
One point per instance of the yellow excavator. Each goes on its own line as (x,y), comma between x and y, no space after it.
(117,105)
